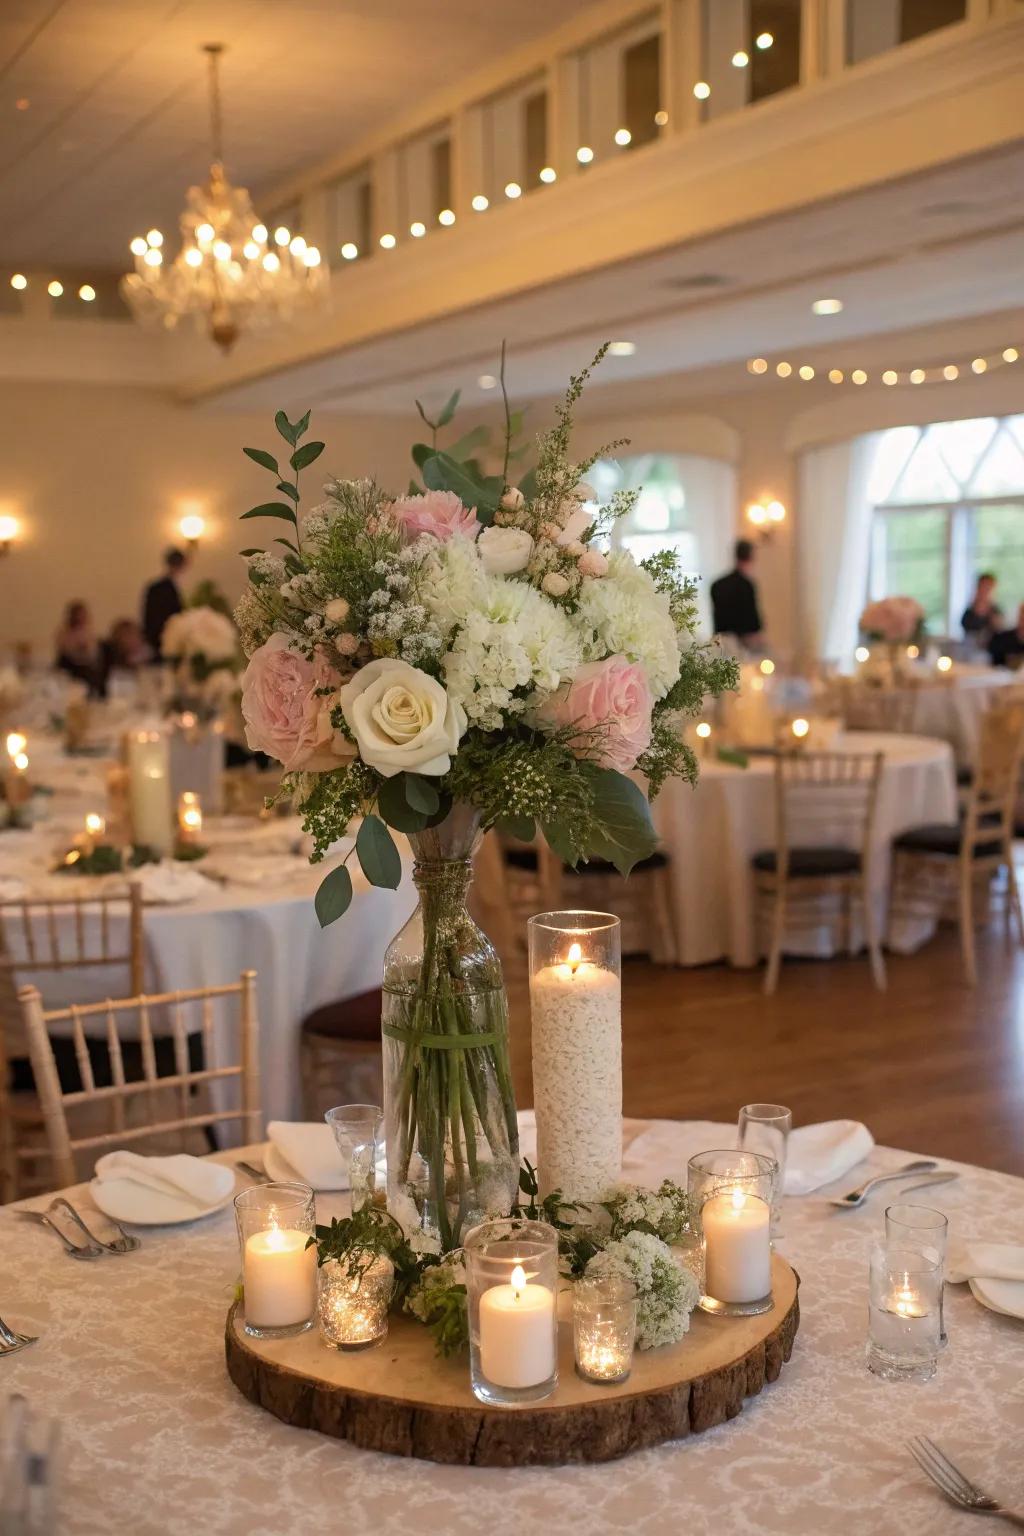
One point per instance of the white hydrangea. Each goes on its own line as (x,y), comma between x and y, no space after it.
(666,1292)
(200,632)
(624,614)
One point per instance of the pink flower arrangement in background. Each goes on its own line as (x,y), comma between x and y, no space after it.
(609,703)
(896,620)
(439,513)
(284,714)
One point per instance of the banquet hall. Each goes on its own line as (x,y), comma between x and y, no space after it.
(511,765)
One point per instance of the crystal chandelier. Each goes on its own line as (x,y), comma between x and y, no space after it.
(229,272)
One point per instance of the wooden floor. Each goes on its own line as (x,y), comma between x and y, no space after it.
(929,1065)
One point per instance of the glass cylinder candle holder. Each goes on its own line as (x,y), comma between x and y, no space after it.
(576,1009)
(603,1327)
(355,1296)
(512,1288)
(731,1200)
(927,1230)
(275,1224)
(904,1316)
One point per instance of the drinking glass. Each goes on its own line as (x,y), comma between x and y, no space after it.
(903,1314)
(357,1133)
(927,1230)
(765,1128)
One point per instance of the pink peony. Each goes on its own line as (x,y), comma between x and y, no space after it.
(284,715)
(610,703)
(439,513)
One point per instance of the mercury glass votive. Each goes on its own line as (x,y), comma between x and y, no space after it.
(512,1290)
(603,1327)
(275,1223)
(904,1314)
(354,1299)
(730,1200)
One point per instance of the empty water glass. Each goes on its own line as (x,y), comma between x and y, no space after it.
(357,1134)
(927,1231)
(765,1128)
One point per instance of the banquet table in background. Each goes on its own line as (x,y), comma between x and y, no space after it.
(952,709)
(131,1363)
(712,831)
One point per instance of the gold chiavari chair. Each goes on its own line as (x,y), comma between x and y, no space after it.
(866,708)
(68,933)
(834,796)
(195,1110)
(935,864)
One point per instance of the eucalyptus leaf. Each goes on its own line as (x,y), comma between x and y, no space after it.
(449,408)
(622,832)
(266,460)
(522,828)
(301,425)
(288,488)
(395,808)
(528,484)
(285,428)
(287,544)
(421,452)
(421,794)
(334,896)
(431,424)
(379,858)
(248,552)
(272,509)
(464,446)
(562,843)
(305,455)
(443,474)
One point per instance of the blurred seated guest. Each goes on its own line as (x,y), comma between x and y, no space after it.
(982,620)
(734,599)
(124,649)
(1007,648)
(162,599)
(78,650)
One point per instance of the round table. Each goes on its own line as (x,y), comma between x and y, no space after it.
(952,707)
(154,1435)
(711,833)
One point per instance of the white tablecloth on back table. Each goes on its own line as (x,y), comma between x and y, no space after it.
(952,710)
(159,1442)
(712,832)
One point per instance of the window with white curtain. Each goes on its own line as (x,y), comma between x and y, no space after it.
(949,503)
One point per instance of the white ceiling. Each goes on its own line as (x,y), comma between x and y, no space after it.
(116,124)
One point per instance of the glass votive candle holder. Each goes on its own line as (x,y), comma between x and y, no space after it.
(354,1300)
(927,1230)
(731,1204)
(275,1225)
(904,1316)
(603,1327)
(512,1290)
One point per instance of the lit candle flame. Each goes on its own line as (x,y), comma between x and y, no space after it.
(800,727)
(21,761)
(16,743)
(944,663)
(575,958)
(95,824)
(739,1199)
(518,1281)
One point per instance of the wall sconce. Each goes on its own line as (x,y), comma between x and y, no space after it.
(9,529)
(766,515)
(192,528)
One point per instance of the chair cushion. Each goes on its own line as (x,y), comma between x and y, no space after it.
(964,777)
(526,858)
(808,862)
(940,838)
(350,1018)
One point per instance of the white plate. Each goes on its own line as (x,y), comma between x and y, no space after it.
(124,1200)
(1005,1296)
(281,1171)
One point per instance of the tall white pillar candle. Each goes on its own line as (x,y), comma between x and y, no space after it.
(149,790)
(737,1252)
(576,1009)
(518,1337)
(279,1276)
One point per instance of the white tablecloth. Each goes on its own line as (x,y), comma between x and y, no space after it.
(158,1441)
(952,710)
(712,832)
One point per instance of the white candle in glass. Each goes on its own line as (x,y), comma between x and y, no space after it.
(517,1333)
(149,790)
(279,1275)
(737,1252)
(190,816)
(95,827)
(576,1010)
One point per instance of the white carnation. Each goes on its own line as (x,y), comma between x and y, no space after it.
(625,614)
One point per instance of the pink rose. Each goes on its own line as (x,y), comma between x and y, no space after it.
(593,563)
(610,703)
(439,513)
(284,715)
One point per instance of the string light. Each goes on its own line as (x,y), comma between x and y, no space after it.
(661,118)
(621,348)
(827,307)
(87,293)
(480,204)
(387,242)
(282,234)
(835,375)
(979,365)
(446,217)
(702,90)
(194,256)
(807,372)
(19,281)
(513,190)
(417,229)
(138,246)
(858,376)
(757,365)
(55,289)
(763,40)
(917,375)
(350,250)
(623,137)
(584,154)
(548,174)
(891,377)
(487,381)
(783,370)
(740,60)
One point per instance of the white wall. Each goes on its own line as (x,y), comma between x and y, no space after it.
(99,478)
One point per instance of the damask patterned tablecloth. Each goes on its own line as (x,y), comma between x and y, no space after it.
(158,1442)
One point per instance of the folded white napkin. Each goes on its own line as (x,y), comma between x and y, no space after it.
(202,1182)
(258,868)
(312,1151)
(817,1154)
(985,1261)
(169,883)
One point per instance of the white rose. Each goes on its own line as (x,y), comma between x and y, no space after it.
(513,499)
(576,523)
(555,584)
(402,718)
(504,550)
(337,610)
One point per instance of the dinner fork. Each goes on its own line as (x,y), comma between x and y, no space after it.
(951,1481)
(11,1341)
(124,1243)
(855,1197)
(260,1175)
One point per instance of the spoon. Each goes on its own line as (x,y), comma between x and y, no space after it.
(74,1250)
(855,1197)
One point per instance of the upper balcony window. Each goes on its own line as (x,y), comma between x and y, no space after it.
(617,86)
(424,180)
(349,216)
(876,26)
(751,51)
(508,146)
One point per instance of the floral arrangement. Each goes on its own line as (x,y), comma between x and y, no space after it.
(893,620)
(468,642)
(12,690)
(202,641)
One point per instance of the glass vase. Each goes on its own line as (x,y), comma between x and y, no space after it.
(449,1110)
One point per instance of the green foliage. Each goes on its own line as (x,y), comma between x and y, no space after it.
(668,756)
(355,1241)
(272,509)
(663,1212)
(379,858)
(443,473)
(334,896)
(577,1242)
(621,829)
(556,476)
(521,775)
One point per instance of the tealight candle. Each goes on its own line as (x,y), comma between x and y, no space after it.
(738,1254)
(190,817)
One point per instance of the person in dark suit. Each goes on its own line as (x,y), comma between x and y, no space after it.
(734,599)
(162,599)
(1007,648)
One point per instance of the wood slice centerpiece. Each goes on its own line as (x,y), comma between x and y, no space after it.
(401,1398)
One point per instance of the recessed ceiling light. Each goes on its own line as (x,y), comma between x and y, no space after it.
(621,348)
(487,381)
(827,306)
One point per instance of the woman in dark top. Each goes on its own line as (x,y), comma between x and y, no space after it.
(77,648)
